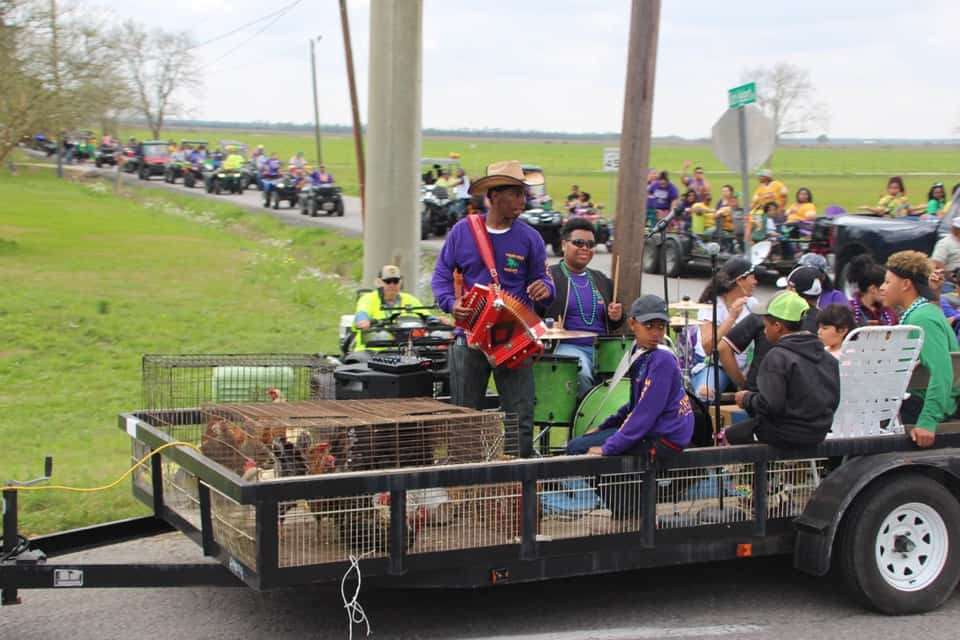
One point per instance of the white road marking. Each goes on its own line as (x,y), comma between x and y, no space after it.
(640,633)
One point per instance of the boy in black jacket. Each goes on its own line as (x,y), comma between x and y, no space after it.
(798,382)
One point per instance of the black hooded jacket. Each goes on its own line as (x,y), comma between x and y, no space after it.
(799,391)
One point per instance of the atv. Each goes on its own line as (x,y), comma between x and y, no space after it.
(539,212)
(105,154)
(435,211)
(321,198)
(222,180)
(282,188)
(152,158)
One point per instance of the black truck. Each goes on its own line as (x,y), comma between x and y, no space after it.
(853,234)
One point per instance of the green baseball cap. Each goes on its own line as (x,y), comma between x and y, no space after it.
(786,305)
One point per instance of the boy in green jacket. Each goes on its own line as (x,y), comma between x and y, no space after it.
(906,286)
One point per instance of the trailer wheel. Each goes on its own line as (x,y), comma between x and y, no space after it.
(673,256)
(899,547)
(651,256)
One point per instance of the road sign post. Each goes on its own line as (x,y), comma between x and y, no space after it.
(739,98)
(611,164)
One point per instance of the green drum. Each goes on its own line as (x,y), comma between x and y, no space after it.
(597,406)
(555,389)
(609,352)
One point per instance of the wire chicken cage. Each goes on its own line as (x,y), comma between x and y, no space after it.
(190,380)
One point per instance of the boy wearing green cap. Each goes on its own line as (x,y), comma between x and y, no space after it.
(798,382)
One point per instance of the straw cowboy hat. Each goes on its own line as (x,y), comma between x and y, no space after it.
(507,173)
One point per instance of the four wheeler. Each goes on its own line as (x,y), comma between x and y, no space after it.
(194,173)
(602,226)
(106,154)
(84,144)
(435,216)
(539,212)
(152,158)
(282,188)
(42,143)
(321,198)
(222,180)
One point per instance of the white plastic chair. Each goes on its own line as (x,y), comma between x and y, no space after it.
(875,368)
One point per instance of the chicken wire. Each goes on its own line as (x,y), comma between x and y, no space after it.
(285,439)
(234,528)
(333,529)
(583,506)
(791,484)
(188,381)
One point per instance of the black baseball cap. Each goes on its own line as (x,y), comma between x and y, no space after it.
(738,267)
(806,281)
(649,307)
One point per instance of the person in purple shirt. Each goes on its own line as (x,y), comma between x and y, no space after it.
(830,294)
(662,195)
(521,261)
(659,415)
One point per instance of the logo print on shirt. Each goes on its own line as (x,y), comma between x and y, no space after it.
(513,262)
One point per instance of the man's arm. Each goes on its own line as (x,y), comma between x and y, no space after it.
(935,356)
(771,398)
(442,281)
(728,360)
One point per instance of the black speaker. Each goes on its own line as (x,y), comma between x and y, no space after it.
(357,382)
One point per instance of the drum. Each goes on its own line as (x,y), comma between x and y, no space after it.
(555,389)
(597,406)
(609,353)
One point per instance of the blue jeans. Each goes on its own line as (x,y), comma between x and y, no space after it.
(580,445)
(585,371)
(704,378)
(469,372)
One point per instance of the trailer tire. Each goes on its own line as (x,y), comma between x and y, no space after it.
(651,256)
(914,511)
(673,256)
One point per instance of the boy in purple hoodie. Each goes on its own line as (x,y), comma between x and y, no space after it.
(520,258)
(659,415)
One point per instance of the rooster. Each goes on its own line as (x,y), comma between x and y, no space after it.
(229,445)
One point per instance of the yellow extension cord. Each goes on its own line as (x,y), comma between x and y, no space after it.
(60,487)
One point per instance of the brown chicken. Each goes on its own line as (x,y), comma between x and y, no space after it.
(320,460)
(229,445)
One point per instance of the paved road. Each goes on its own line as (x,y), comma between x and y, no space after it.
(351,225)
(754,599)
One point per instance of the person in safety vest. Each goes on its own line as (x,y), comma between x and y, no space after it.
(379,303)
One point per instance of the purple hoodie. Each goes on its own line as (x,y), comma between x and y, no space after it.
(519,255)
(658,406)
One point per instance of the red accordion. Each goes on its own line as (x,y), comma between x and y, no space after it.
(502,327)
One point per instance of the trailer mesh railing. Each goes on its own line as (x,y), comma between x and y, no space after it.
(186,381)
(331,529)
(791,484)
(234,528)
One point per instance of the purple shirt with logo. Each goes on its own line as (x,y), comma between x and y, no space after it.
(518,254)
(660,197)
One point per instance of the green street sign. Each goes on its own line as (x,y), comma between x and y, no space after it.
(742,95)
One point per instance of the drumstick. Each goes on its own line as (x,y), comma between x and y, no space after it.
(616,277)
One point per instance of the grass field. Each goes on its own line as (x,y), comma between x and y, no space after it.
(830,172)
(92,281)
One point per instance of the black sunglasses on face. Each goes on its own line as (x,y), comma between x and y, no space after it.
(583,244)
(391,281)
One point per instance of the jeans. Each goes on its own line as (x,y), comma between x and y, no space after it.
(585,370)
(580,445)
(704,378)
(469,371)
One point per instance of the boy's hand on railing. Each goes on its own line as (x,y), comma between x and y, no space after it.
(922,437)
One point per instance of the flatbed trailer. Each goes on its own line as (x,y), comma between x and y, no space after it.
(882,511)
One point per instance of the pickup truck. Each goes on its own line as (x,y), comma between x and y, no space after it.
(853,234)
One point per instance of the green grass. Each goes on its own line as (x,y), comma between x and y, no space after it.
(92,281)
(826,170)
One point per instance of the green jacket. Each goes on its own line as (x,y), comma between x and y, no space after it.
(939,340)
(369,307)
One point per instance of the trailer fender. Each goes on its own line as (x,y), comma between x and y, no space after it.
(817,526)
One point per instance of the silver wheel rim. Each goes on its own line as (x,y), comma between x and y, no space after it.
(911,547)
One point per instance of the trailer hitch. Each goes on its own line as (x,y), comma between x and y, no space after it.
(16,548)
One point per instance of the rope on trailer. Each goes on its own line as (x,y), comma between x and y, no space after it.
(126,474)
(355,612)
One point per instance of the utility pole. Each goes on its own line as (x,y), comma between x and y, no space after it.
(316,107)
(355,108)
(635,146)
(391,233)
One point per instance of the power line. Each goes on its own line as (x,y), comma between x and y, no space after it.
(280,11)
(277,15)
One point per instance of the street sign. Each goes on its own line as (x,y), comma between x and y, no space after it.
(611,159)
(760,138)
(743,95)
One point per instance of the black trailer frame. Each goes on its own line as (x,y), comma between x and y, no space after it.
(856,462)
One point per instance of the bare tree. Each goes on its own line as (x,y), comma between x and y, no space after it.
(55,69)
(159,67)
(787,95)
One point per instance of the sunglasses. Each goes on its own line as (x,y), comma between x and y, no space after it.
(391,281)
(583,244)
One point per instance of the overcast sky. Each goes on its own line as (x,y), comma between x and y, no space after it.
(884,67)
